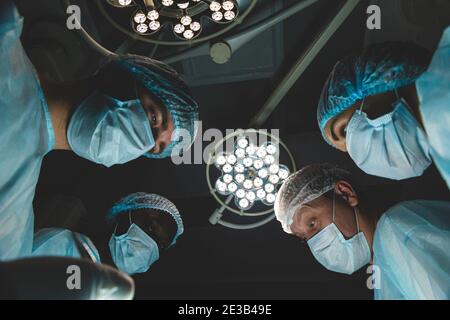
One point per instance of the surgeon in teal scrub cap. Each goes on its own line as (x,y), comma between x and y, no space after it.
(346,228)
(87,117)
(389,108)
(147,112)
(144,226)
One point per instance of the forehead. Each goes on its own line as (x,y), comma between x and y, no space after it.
(148,97)
(318,206)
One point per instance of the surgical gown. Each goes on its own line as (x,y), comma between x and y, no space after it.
(64,243)
(433,89)
(26,135)
(411,250)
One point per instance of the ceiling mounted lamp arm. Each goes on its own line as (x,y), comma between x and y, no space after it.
(95,45)
(247,226)
(303,63)
(236,41)
(144,4)
(216,218)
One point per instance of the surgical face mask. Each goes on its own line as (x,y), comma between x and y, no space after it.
(391,146)
(108,131)
(338,254)
(135,251)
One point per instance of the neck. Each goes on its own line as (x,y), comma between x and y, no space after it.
(62,100)
(409,93)
(368,219)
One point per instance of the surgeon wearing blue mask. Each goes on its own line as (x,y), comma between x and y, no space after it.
(346,230)
(144,226)
(389,108)
(133,106)
(143,112)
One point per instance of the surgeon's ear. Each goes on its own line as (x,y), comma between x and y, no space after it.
(346,191)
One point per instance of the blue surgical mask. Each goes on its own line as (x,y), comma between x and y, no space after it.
(133,252)
(338,254)
(108,131)
(392,146)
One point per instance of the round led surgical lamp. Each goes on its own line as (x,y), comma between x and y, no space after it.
(250,175)
(185,18)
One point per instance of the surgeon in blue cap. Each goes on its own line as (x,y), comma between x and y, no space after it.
(144,226)
(151,118)
(147,112)
(347,227)
(389,108)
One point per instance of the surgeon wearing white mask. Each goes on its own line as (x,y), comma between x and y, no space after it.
(345,232)
(389,108)
(144,226)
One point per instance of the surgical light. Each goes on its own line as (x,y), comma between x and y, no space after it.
(186,20)
(154,25)
(125,2)
(142,28)
(195,26)
(140,17)
(229,15)
(179,28)
(217,16)
(188,34)
(250,173)
(228,5)
(215,6)
(189,13)
(153,15)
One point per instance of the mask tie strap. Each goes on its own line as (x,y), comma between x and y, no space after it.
(334,195)
(357,220)
(396,94)
(362,105)
(129,217)
(115,228)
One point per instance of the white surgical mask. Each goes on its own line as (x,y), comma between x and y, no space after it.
(135,251)
(392,146)
(338,254)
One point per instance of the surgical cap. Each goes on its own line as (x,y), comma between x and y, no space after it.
(380,68)
(304,186)
(167,86)
(142,200)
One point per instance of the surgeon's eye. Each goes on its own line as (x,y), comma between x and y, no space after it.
(312,224)
(154,120)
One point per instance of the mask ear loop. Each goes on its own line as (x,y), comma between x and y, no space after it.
(396,94)
(362,105)
(136,92)
(334,198)
(357,220)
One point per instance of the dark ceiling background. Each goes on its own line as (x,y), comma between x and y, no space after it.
(212,262)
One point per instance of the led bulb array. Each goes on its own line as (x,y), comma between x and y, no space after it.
(184,26)
(250,173)
(224,11)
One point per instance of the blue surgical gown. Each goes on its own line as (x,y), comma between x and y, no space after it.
(63,243)
(433,89)
(26,135)
(411,249)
